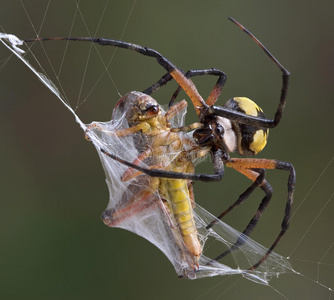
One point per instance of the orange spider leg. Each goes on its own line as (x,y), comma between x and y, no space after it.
(189,87)
(253,169)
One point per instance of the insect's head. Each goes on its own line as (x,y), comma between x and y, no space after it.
(231,135)
(138,107)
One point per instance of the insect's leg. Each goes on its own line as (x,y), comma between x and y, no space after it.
(141,200)
(258,180)
(192,126)
(217,176)
(243,164)
(130,172)
(215,93)
(175,109)
(91,127)
(165,209)
(143,126)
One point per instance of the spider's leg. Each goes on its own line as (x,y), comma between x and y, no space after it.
(215,93)
(130,172)
(257,182)
(244,166)
(285,75)
(216,90)
(186,84)
(161,82)
(190,73)
(265,123)
(288,208)
(217,176)
(266,187)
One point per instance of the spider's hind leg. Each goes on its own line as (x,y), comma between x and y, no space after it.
(246,166)
(257,182)
(266,187)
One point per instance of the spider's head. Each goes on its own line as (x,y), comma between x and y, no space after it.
(217,131)
(138,107)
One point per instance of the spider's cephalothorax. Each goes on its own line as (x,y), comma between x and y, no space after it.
(230,135)
(217,132)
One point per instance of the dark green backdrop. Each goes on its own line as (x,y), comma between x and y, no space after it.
(53,244)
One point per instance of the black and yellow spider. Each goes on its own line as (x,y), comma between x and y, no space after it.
(239,126)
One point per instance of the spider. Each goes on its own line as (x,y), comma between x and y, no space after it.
(239,126)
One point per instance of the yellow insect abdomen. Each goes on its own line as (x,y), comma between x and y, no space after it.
(180,205)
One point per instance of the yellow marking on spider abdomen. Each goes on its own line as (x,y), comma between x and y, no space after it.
(248,106)
(259,141)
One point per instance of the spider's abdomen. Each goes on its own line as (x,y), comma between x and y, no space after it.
(250,139)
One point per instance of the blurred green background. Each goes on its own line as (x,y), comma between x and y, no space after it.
(53,244)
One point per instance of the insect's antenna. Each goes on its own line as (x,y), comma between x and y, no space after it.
(286,73)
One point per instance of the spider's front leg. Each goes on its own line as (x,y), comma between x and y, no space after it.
(191,73)
(252,120)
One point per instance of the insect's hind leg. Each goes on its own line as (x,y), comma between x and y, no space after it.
(140,200)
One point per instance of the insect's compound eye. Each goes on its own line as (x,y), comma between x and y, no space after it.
(251,139)
(152,110)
